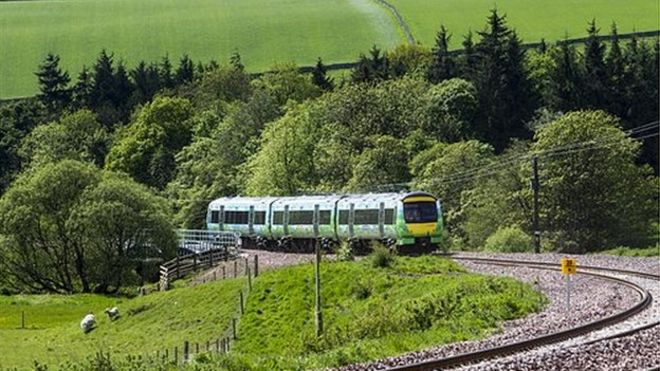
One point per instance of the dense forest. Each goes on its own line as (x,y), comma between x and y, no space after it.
(116,158)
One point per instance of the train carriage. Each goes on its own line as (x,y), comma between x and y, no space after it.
(409,220)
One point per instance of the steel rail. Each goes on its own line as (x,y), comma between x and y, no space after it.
(503,350)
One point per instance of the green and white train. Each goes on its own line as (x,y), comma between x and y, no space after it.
(412,221)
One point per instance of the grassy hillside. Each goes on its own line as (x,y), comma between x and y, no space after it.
(551,20)
(262,31)
(371,312)
(153,322)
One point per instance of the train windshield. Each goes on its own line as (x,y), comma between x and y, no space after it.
(420,212)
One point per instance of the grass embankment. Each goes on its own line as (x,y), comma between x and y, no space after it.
(370,312)
(262,31)
(627,251)
(551,20)
(147,324)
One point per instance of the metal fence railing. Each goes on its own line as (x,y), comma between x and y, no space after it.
(196,241)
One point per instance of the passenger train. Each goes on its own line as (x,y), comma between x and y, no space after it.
(411,221)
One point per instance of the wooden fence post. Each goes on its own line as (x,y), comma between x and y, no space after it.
(215,275)
(22,319)
(167,355)
(256,265)
(207,345)
(176,355)
(233,327)
(194,261)
(224,275)
(235,267)
(240,299)
(177,267)
(249,279)
(217,345)
(246,266)
(211,258)
(186,351)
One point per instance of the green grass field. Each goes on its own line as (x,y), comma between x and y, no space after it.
(262,31)
(150,323)
(533,20)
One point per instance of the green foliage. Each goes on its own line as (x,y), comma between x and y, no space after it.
(596,197)
(381,257)
(53,83)
(383,162)
(509,239)
(627,251)
(69,227)
(409,59)
(146,149)
(345,252)
(286,83)
(76,136)
(449,109)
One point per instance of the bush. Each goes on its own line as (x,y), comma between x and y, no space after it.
(382,257)
(509,239)
(345,252)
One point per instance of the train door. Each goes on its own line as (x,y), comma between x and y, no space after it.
(351,219)
(285,222)
(251,220)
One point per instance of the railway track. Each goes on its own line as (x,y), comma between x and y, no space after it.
(645,300)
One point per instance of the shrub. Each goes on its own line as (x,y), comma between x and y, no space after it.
(509,239)
(382,257)
(345,252)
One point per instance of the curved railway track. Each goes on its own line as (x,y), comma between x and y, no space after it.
(504,350)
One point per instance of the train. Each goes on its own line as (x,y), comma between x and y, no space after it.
(406,221)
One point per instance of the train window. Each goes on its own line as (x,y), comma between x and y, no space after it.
(366,217)
(215,216)
(301,217)
(389,217)
(236,217)
(324,217)
(420,212)
(260,217)
(278,217)
(343,216)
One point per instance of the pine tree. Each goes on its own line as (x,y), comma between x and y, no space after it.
(543,47)
(505,95)
(123,87)
(566,79)
(442,66)
(379,64)
(595,73)
(82,91)
(319,77)
(235,61)
(53,84)
(615,67)
(166,78)
(186,71)
(362,72)
(468,61)
(104,81)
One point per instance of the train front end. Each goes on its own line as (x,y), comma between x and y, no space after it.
(419,222)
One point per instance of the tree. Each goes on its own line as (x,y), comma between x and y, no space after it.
(595,72)
(506,100)
(165,72)
(384,162)
(450,108)
(236,63)
(443,170)
(566,79)
(442,66)
(83,89)
(616,86)
(146,149)
(596,197)
(69,227)
(53,84)
(373,68)
(319,77)
(284,83)
(409,59)
(76,136)
(185,73)
(468,60)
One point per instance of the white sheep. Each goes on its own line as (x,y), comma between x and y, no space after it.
(112,313)
(88,322)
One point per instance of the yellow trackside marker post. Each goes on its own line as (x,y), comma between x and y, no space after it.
(568,268)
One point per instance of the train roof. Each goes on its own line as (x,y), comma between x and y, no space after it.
(353,198)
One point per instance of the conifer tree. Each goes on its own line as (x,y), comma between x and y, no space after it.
(320,78)
(566,79)
(615,67)
(442,66)
(53,83)
(235,61)
(468,60)
(104,81)
(83,89)
(185,73)
(595,73)
(166,78)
